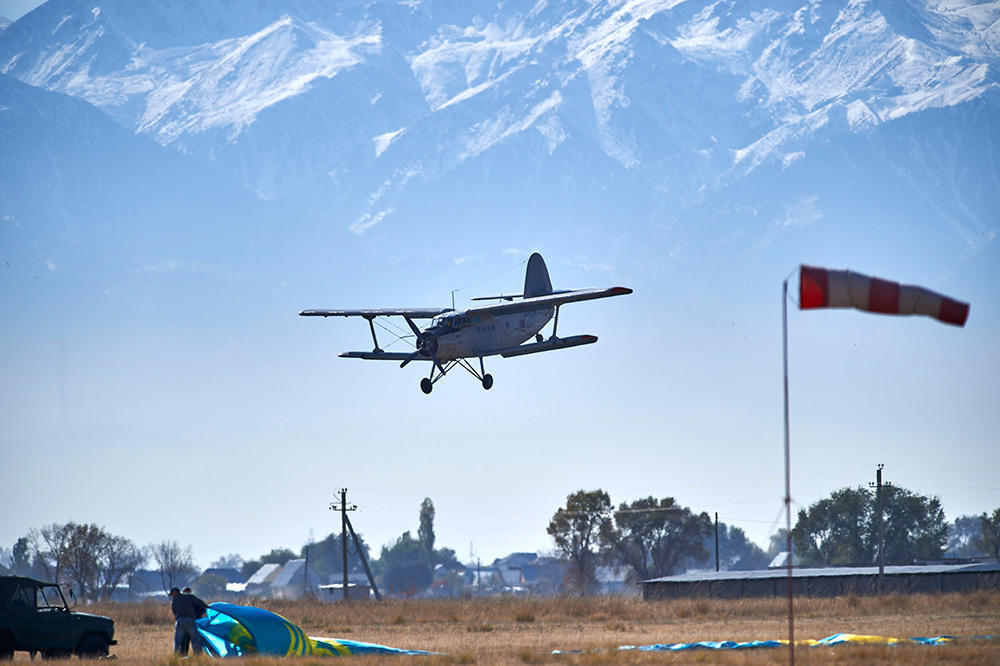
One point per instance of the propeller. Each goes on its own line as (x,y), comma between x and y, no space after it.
(426,344)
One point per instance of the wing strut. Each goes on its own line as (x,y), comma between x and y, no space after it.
(371,325)
(555,324)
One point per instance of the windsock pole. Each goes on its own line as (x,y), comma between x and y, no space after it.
(829,288)
(788,475)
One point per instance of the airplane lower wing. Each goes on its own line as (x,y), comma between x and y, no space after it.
(506,352)
(383,356)
(546,345)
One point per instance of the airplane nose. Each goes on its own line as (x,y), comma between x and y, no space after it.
(429,344)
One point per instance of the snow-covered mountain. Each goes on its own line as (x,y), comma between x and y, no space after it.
(377,106)
(73,178)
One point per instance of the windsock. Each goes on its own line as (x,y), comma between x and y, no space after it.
(825,288)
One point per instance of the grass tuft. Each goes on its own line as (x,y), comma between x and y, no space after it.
(479,628)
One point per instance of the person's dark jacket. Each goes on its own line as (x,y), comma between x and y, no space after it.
(188,605)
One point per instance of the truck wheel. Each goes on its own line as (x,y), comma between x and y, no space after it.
(55,654)
(93,647)
(6,648)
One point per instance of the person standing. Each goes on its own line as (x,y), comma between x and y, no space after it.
(186,607)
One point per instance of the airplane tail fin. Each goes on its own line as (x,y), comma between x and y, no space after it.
(536,278)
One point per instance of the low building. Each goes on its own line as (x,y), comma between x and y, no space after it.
(356,591)
(826,582)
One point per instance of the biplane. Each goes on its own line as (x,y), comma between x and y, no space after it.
(454,338)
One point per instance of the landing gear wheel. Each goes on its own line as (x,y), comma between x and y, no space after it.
(426,385)
(487,382)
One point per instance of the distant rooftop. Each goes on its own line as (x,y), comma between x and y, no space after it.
(263,574)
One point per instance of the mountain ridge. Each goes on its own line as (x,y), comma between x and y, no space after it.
(362,103)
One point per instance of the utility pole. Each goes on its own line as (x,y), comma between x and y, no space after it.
(343,507)
(716,540)
(305,570)
(879,522)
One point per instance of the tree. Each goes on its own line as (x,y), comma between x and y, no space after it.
(736,551)
(915,528)
(278,556)
(835,530)
(778,543)
(93,560)
(989,540)
(231,561)
(406,567)
(446,557)
(964,534)
(49,550)
(654,536)
(425,533)
(575,528)
(209,585)
(20,557)
(175,564)
(249,568)
(326,557)
(119,558)
(842,529)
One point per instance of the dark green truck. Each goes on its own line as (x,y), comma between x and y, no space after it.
(34,617)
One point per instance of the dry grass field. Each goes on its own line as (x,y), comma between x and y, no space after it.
(526,631)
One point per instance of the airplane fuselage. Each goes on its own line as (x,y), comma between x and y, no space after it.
(467,334)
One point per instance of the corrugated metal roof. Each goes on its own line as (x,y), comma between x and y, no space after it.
(261,575)
(288,573)
(799,572)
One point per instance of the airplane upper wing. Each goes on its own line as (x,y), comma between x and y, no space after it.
(549,301)
(412,313)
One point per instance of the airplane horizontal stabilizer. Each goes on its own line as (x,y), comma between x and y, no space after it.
(547,345)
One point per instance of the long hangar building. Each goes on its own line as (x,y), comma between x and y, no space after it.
(826,582)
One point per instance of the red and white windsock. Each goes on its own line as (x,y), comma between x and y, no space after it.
(825,288)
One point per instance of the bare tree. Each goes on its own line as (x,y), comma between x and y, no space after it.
(83,548)
(49,549)
(174,563)
(119,558)
(87,556)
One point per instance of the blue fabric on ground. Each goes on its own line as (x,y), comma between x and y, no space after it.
(230,630)
(835,639)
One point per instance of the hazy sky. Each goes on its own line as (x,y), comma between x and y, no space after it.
(197,407)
